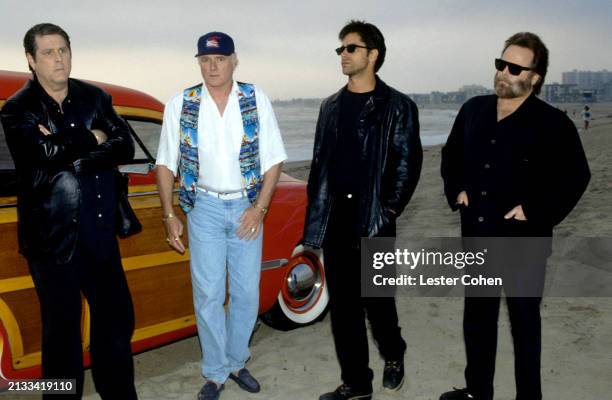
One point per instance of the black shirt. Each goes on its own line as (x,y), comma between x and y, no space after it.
(533,158)
(98,201)
(347,173)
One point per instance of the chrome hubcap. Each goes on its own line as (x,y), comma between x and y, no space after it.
(304,285)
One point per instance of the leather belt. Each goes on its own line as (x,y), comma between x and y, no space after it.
(225,195)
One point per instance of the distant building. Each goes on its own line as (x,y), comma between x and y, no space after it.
(300,102)
(458,97)
(561,93)
(587,79)
(420,99)
(606,92)
(453,98)
(593,85)
(436,97)
(470,91)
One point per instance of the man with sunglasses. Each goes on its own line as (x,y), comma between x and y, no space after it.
(515,167)
(365,166)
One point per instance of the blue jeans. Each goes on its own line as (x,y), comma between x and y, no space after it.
(216,253)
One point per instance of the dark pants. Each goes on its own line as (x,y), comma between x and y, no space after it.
(348,310)
(480,333)
(521,263)
(95,271)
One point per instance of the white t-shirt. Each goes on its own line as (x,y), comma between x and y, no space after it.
(586,115)
(220,139)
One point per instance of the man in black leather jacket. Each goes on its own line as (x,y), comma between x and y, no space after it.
(365,167)
(66,140)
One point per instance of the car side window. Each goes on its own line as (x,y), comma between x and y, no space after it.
(148,132)
(6,161)
(8,177)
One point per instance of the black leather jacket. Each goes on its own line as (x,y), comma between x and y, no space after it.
(388,124)
(48,166)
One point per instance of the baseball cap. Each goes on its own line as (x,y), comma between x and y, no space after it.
(215,43)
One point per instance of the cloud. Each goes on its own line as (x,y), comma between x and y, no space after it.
(287,46)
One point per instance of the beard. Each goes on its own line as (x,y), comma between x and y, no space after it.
(511,90)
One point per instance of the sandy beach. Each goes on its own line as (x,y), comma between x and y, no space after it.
(301,364)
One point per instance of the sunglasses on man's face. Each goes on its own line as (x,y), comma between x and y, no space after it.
(514,69)
(350,48)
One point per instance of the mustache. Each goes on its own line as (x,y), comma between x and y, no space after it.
(501,79)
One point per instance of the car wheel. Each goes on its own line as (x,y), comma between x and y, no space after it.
(303,297)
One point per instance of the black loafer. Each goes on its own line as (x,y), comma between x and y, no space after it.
(245,380)
(457,394)
(210,391)
(393,375)
(345,392)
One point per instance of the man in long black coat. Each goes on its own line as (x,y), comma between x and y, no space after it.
(515,167)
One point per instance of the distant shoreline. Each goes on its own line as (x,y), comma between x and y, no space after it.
(307,160)
(602,120)
(433,106)
(573,110)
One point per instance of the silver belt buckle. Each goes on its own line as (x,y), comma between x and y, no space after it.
(231,195)
(225,195)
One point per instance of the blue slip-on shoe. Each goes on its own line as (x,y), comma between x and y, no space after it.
(245,380)
(210,391)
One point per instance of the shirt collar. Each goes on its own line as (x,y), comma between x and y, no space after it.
(45,96)
(381,91)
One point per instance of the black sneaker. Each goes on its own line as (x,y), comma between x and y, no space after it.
(345,392)
(393,375)
(210,391)
(457,394)
(245,380)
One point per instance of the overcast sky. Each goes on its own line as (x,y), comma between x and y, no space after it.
(286,47)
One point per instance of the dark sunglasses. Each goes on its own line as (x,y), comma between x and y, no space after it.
(350,48)
(514,69)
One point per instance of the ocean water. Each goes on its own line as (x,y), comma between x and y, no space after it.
(298,122)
